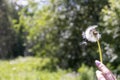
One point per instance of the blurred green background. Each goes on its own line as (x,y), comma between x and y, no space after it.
(42,39)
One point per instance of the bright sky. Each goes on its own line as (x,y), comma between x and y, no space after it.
(22,2)
(25,2)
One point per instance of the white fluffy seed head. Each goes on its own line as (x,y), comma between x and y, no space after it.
(91,34)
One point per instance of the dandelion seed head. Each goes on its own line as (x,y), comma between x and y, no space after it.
(91,34)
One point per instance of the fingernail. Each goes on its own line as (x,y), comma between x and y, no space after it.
(97,62)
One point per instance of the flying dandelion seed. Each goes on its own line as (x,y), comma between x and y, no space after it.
(92,35)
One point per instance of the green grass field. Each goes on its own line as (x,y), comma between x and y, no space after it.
(32,68)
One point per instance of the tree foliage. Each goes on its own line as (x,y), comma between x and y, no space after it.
(55,30)
(7,37)
(110,17)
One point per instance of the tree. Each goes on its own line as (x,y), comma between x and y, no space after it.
(6,32)
(55,30)
(73,18)
(110,18)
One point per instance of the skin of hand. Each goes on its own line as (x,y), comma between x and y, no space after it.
(103,73)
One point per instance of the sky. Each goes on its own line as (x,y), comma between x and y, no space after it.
(25,2)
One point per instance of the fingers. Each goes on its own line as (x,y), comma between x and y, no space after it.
(105,71)
(99,75)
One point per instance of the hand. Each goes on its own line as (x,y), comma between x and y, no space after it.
(103,73)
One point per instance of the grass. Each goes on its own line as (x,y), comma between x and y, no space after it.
(30,68)
(33,68)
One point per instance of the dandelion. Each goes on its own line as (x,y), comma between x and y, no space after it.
(92,35)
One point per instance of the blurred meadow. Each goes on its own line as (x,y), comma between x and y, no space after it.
(42,39)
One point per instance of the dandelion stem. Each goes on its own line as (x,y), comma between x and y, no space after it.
(100,51)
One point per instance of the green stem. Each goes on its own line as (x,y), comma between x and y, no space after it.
(100,51)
